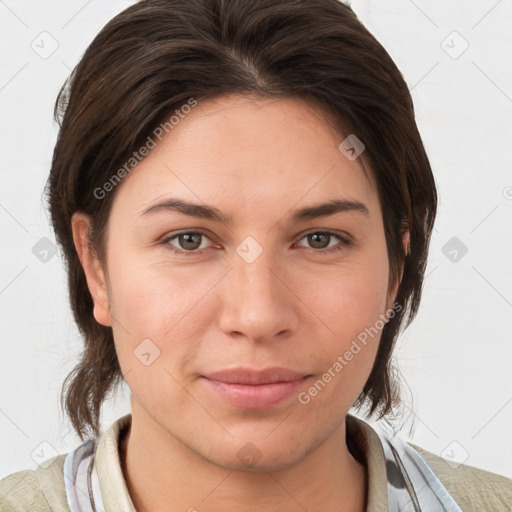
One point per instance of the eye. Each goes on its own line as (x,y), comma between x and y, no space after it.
(187,242)
(320,241)
(191,242)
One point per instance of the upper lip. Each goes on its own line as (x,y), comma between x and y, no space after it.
(255,377)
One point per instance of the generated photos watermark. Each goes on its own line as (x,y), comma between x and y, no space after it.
(137,156)
(304,397)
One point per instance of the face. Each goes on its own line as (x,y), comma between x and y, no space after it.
(245,272)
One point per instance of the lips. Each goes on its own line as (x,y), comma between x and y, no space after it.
(255,389)
(256,377)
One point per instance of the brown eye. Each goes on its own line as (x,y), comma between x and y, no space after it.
(189,241)
(319,240)
(322,242)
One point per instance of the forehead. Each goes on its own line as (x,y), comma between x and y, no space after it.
(247,150)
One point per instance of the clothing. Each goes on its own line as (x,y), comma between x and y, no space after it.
(391,463)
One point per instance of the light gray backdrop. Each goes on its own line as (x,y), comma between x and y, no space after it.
(455,358)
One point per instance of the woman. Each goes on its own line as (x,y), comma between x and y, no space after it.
(245,206)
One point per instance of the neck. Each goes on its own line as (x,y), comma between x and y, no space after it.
(167,476)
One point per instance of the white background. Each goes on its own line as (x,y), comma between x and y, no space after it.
(456,356)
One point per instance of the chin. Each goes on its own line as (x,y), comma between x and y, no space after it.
(260,455)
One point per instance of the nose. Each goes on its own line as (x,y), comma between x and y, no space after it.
(257,301)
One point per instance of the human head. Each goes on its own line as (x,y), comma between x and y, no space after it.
(151,59)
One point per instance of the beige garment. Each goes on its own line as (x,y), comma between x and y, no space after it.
(43,490)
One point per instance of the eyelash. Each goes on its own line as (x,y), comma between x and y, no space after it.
(344,241)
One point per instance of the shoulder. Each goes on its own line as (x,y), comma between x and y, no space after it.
(474,490)
(40,490)
(21,491)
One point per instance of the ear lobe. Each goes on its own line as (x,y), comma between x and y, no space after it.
(96,282)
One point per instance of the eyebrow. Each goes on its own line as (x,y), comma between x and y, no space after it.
(212,213)
(330,208)
(192,209)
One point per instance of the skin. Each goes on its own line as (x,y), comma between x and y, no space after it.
(296,306)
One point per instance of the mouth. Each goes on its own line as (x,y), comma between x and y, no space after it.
(255,389)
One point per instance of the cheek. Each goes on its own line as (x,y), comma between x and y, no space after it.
(348,299)
(151,301)
(151,295)
(346,354)
(349,305)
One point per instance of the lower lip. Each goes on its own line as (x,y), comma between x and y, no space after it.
(263,396)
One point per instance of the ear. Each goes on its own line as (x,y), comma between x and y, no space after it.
(81,227)
(394,289)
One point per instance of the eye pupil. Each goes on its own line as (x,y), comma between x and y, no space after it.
(316,242)
(191,241)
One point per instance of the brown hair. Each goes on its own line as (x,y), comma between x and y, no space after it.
(152,58)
